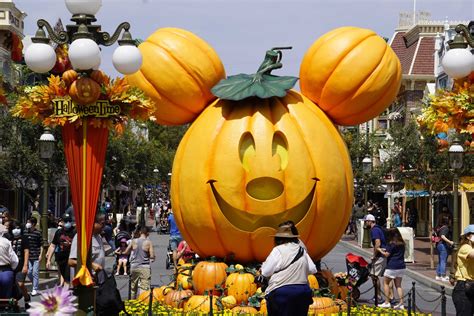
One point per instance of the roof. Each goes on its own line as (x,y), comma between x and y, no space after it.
(416,57)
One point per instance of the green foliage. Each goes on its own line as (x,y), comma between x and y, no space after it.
(413,156)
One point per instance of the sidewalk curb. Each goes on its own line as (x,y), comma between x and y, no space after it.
(43,284)
(412,274)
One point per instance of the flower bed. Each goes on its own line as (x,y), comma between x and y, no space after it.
(136,307)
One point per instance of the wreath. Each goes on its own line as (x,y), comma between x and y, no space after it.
(450,109)
(36,103)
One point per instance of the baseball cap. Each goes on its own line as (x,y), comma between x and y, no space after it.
(469,229)
(369,217)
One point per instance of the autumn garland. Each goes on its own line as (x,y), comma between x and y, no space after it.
(450,110)
(36,104)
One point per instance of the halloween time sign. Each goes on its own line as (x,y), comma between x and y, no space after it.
(67,107)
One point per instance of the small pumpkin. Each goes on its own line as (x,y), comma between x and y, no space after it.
(241,286)
(313,282)
(207,275)
(99,76)
(244,310)
(352,74)
(200,303)
(84,91)
(159,294)
(228,302)
(177,298)
(323,305)
(69,77)
(178,71)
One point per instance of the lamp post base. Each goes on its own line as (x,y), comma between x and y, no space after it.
(86,299)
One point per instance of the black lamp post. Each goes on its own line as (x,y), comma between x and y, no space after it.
(456,153)
(46,149)
(366,170)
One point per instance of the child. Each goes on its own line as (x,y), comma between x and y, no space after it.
(122,256)
(395,253)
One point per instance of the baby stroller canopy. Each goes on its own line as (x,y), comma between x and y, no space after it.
(351,258)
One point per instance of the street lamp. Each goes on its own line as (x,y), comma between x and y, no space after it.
(456,153)
(84,39)
(46,150)
(458,62)
(366,170)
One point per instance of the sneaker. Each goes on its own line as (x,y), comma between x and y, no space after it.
(399,307)
(372,300)
(445,279)
(438,278)
(384,305)
(34,293)
(125,274)
(116,273)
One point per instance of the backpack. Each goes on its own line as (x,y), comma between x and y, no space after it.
(435,237)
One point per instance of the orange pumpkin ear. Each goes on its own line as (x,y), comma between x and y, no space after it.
(178,71)
(352,74)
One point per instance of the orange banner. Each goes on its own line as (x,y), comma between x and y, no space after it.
(84,148)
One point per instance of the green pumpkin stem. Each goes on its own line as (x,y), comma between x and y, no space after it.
(262,84)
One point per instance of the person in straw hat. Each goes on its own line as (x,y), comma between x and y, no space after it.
(463,293)
(287,267)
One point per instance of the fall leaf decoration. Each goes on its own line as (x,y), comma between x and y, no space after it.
(35,103)
(450,110)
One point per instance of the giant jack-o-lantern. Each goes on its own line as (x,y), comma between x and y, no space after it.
(245,166)
(260,155)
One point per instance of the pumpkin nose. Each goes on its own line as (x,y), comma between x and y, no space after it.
(265,188)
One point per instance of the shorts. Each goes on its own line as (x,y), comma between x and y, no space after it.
(392,274)
(174,242)
(20,276)
(378,266)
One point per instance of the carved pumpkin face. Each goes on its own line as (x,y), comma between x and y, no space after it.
(244,167)
(84,91)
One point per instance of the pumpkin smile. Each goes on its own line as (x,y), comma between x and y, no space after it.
(251,220)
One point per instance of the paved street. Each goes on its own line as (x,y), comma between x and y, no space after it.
(335,261)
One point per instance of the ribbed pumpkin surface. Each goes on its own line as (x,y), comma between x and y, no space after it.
(352,74)
(241,286)
(178,71)
(207,275)
(272,148)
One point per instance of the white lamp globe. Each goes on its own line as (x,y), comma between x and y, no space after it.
(84,54)
(83,6)
(40,57)
(127,59)
(457,62)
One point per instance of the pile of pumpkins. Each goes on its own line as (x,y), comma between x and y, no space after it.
(233,288)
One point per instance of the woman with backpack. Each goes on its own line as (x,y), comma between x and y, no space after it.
(61,247)
(287,268)
(395,269)
(444,247)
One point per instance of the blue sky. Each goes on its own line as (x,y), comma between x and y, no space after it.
(241,31)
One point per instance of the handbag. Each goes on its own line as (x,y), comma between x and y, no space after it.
(469,288)
(263,280)
(108,300)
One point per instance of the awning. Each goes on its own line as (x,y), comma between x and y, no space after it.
(409,193)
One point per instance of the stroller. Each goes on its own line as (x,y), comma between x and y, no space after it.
(121,235)
(358,272)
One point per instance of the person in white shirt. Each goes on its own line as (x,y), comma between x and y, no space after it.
(8,263)
(287,267)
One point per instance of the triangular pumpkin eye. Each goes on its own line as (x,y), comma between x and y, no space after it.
(280,148)
(246,150)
